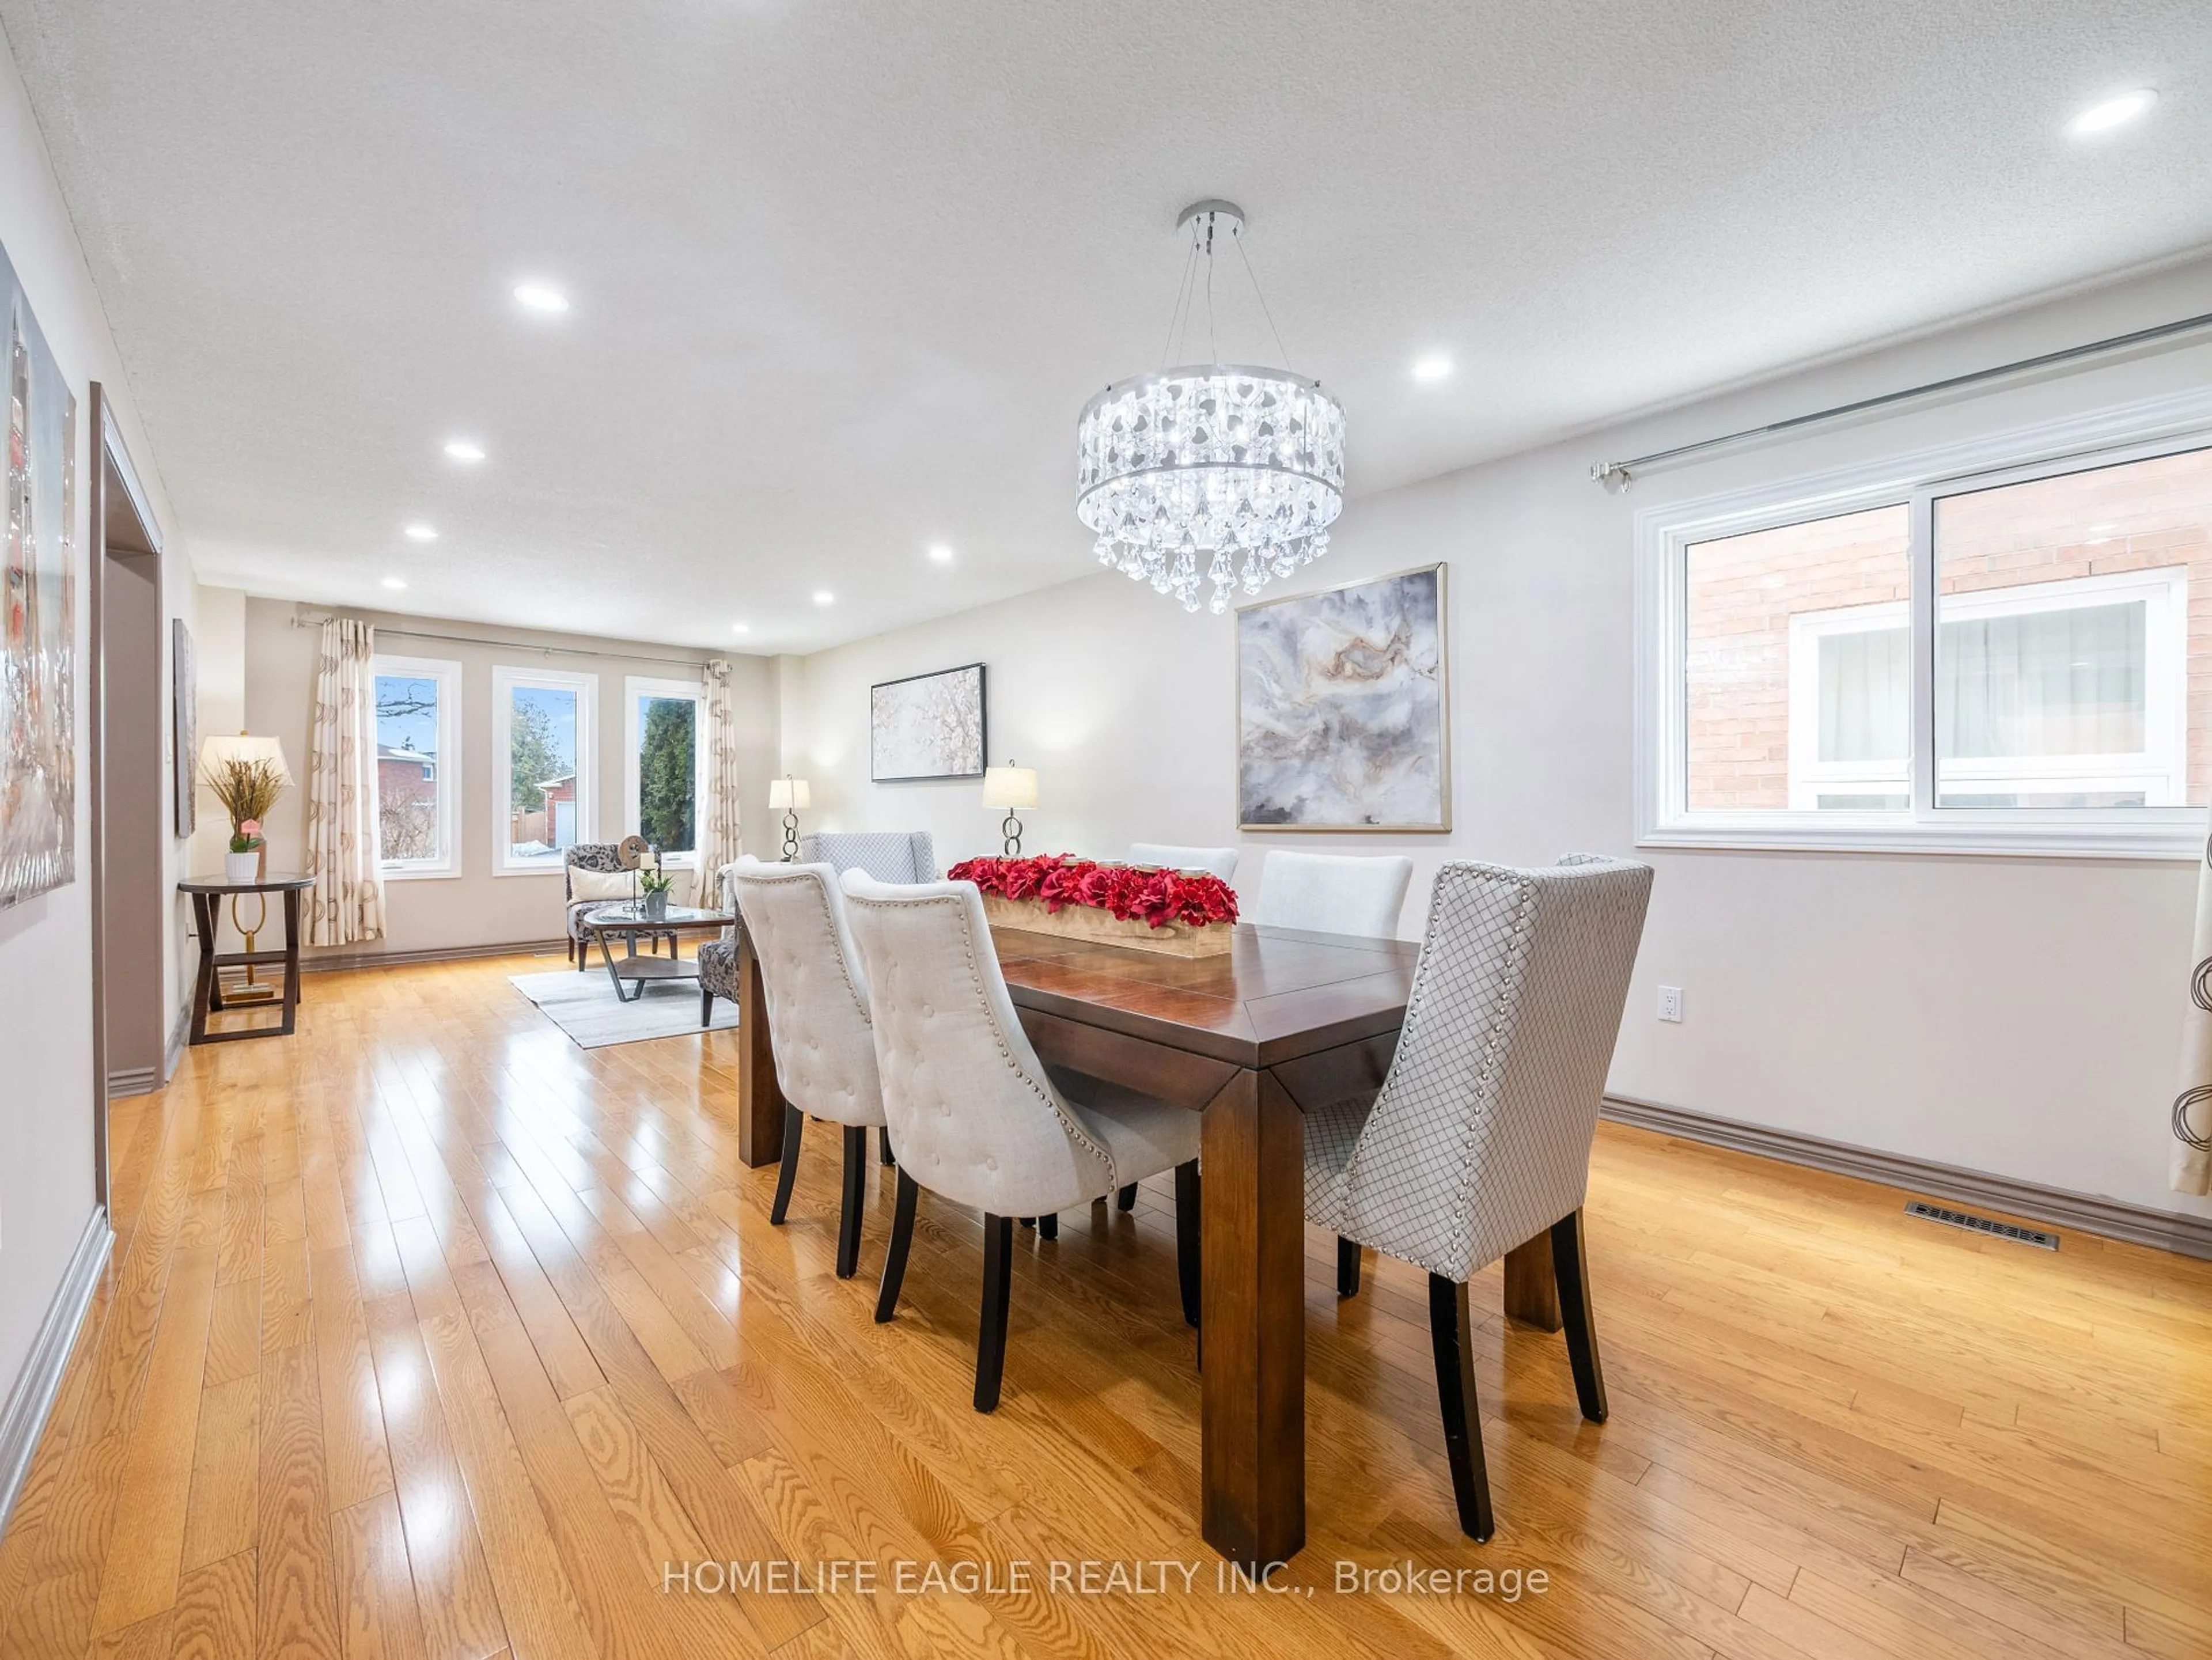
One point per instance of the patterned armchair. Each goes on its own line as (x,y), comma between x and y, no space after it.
(608,858)
(718,958)
(888,855)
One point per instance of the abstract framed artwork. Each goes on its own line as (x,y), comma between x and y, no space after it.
(927,726)
(184,727)
(1343,712)
(38,611)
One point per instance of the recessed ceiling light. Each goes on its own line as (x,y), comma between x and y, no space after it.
(741,628)
(540,296)
(2112,113)
(940,553)
(464,449)
(1434,367)
(823,596)
(422,533)
(393,582)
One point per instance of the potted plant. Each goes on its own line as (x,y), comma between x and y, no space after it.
(242,864)
(246,775)
(653,885)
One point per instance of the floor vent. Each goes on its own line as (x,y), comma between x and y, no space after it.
(1959,1219)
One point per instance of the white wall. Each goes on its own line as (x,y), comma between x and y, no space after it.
(476,906)
(46,1180)
(2014,1016)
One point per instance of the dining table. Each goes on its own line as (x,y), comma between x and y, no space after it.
(1282,1023)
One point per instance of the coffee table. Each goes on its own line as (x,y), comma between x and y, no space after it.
(630,918)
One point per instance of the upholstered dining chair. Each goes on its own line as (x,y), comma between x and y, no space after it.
(1480,1140)
(818,1025)
(1333,893)
(974,1115)
(887,855)
(1166,855)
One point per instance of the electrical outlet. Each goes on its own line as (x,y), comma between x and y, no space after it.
(1670,1003)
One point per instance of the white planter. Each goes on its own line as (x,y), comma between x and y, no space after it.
(239,868)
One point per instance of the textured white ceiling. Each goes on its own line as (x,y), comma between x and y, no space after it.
(843,273)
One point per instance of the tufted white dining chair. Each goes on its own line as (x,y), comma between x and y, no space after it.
(1333,893)
(974,1115)
(818,1024)
(1214,861)
(1479,1139)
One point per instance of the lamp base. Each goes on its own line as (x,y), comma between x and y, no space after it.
(1012,829)
(790,838)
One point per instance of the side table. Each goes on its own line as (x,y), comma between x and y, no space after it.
(207,893)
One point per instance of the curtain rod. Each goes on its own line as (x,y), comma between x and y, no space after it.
(1617,475)
(312,622)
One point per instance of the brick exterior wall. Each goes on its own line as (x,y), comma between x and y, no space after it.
(1743,589)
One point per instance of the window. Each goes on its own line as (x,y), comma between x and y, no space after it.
(1973,650)
(542,759)
(667,718)
(418,708)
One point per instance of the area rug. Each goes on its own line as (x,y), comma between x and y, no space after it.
(585,1007)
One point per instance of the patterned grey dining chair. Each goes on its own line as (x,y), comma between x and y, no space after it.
(975,1117)
(887,855)
(818,1025)
(1479,1139)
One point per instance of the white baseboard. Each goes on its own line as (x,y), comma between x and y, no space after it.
(23,1419)
(2110,1219)
(174,1053)
(132,1080)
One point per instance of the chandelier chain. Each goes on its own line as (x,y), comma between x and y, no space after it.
(1182,291)
(1282,352)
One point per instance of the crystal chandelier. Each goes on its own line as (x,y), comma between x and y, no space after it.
(1217,472)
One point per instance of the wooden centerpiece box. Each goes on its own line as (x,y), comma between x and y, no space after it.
(1078,899)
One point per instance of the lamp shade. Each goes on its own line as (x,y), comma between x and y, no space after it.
(1008,788)
(787,795)
(220,752)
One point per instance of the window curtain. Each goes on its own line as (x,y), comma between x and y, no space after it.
(343,852)
(2192,1108)
(718,786)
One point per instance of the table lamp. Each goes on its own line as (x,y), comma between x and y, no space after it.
(787,795)
(1009,787)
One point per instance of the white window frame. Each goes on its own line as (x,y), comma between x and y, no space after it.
(1664,534)
(2160,770)
(635,686)
(446,675)
(506,681)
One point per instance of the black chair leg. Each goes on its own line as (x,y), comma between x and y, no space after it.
(855,1202)
(706,1008)
(1571,1266)
(1125,1198)
(1027,1221)
(1347,1266)
(794,1122)
(1048,1227)
(895,1252)
(884,1145)
(991,1332)
(1452,1336)
(1189,1277)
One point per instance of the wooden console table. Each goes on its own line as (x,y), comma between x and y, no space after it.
(207,893)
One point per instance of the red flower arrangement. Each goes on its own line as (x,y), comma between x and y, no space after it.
(1154,896)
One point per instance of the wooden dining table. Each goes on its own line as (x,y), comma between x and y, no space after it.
(1282,1023)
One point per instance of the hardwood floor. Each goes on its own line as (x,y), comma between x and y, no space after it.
(429,1336)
